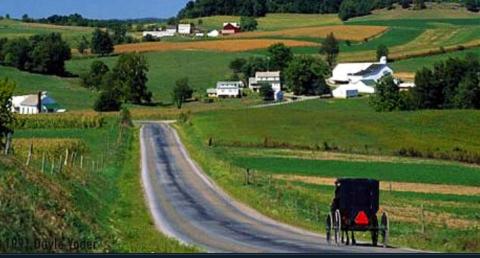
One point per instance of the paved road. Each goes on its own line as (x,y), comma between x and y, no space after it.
(188,206)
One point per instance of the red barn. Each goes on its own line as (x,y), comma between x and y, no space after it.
(230,28)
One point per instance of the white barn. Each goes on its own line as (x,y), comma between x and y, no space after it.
(30,104)
(185,29)
(354,72)
(158,34)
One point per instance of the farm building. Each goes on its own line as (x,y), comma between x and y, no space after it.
(172,29)
(273,78)
(354,72)
(230,28)
(226,89)
(158,34)
(406,86)
(213,34)
(185,29)
(34,104)
(345,91)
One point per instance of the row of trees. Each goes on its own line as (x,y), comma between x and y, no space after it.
(345,8)
(44,53)
(125,83)
(454,83)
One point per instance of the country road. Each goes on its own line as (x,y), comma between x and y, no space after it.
(188,206)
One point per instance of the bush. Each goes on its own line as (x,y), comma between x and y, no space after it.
(107,102)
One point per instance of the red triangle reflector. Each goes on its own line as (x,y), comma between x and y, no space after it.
(361,218)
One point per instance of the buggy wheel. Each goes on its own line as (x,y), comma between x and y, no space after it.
(328,229)
(337,226)
(385,227)
(374,230)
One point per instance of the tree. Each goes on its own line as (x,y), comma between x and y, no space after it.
(93,79)
(126,117)
(266,91)
(354,8)
(17,53)
(387,95)
(472,5)
(107,101)
(305,75)
(248,23)
(253,65)
(181,92)
(427,94)
(119,34)
(331,49)
(49,53)
(405,4)
(83,45)
(382,51)
(7,16)
(468,93)
(101,43)
(237,64)
(418,4)
(280,56)
(131,74)
(6,117)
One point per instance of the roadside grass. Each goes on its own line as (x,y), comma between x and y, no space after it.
(130,214)
(349,126)
(14,29)
(448,227)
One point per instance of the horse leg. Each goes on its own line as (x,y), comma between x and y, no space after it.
(348,237)
(354,242)
(343,236)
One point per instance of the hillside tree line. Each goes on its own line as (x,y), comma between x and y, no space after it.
(450,84)
(345,8)
(45,53)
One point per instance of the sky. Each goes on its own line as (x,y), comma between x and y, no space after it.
(95,9)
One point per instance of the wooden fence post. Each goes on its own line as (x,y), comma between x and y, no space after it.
(66,157)
(60,164)
(30,152)
(53,166)
(43,162)
(422,218)
(8,143)
(81,161)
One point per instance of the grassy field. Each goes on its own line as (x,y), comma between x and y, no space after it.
(204,69)
(272,21)
(351,126)
(415,64)
(12,29)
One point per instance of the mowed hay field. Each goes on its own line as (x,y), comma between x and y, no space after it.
(14,29)
(213,45)
(341,32)
(273,21)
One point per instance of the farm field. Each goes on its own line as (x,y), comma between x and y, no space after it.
(273,21)
(210,45)
(350,126)
(299,190)
(72,34)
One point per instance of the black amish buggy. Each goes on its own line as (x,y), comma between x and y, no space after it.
(354,208)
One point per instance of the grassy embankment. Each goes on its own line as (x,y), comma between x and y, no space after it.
(105,204)
(289,187)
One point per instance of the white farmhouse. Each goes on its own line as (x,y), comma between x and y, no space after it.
(185,29)
(32,104)
(226,89)
(272,78)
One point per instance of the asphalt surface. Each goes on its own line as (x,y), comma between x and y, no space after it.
(188,206)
